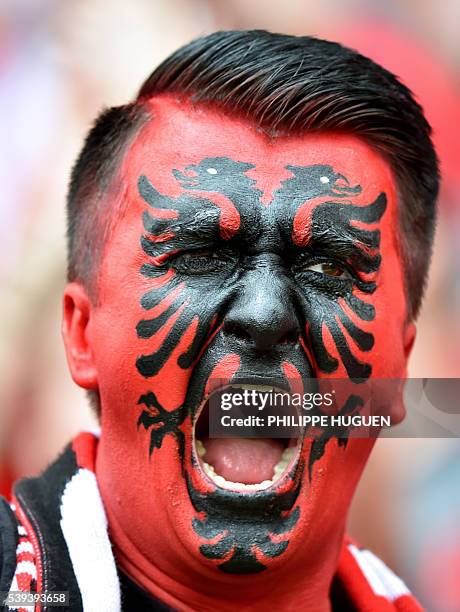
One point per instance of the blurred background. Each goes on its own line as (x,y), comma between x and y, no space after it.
(60,64)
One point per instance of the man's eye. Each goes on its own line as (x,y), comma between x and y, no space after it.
(201,262)
(328,268)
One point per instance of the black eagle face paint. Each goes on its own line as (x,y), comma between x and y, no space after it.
(237,259)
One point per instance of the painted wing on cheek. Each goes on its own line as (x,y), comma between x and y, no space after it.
(341,433)
(366,260)
(218,176)
(363,340)
(366,311)
(333,311)
(319,224)
(180,326)
(162,422)
(146,328)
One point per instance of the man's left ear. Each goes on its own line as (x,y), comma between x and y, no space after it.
(76,321)
(410,333)
(398,409)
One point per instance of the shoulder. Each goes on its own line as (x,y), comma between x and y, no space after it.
(61,525)
(369,584)
(9,539)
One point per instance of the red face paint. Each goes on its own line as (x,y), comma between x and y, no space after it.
(236,256)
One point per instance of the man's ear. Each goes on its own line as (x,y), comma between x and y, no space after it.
(76,318)
(398,409)
(410,333)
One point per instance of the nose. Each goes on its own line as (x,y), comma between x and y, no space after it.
(263,316)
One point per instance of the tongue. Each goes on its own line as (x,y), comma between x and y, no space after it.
(245,460)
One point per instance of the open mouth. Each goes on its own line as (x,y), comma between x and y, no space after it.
(243,464)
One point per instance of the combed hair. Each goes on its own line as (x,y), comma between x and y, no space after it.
(286,85)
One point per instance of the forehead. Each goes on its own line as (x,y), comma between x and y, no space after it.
(179,134)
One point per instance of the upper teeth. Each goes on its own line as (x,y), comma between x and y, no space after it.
(266,388)
(200,449)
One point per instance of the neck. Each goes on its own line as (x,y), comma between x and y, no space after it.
(289,587)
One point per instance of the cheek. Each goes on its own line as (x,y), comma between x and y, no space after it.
(330,490)
(388,355)
(116,347)
(335,476)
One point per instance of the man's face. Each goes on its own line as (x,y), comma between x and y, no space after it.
(236,257)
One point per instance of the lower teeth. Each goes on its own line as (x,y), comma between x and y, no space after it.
(279,468)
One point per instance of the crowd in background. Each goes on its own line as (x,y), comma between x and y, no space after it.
(60,64)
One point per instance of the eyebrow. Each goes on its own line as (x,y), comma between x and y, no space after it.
(337,242)
(193,224)
(195,210)
(165,237)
